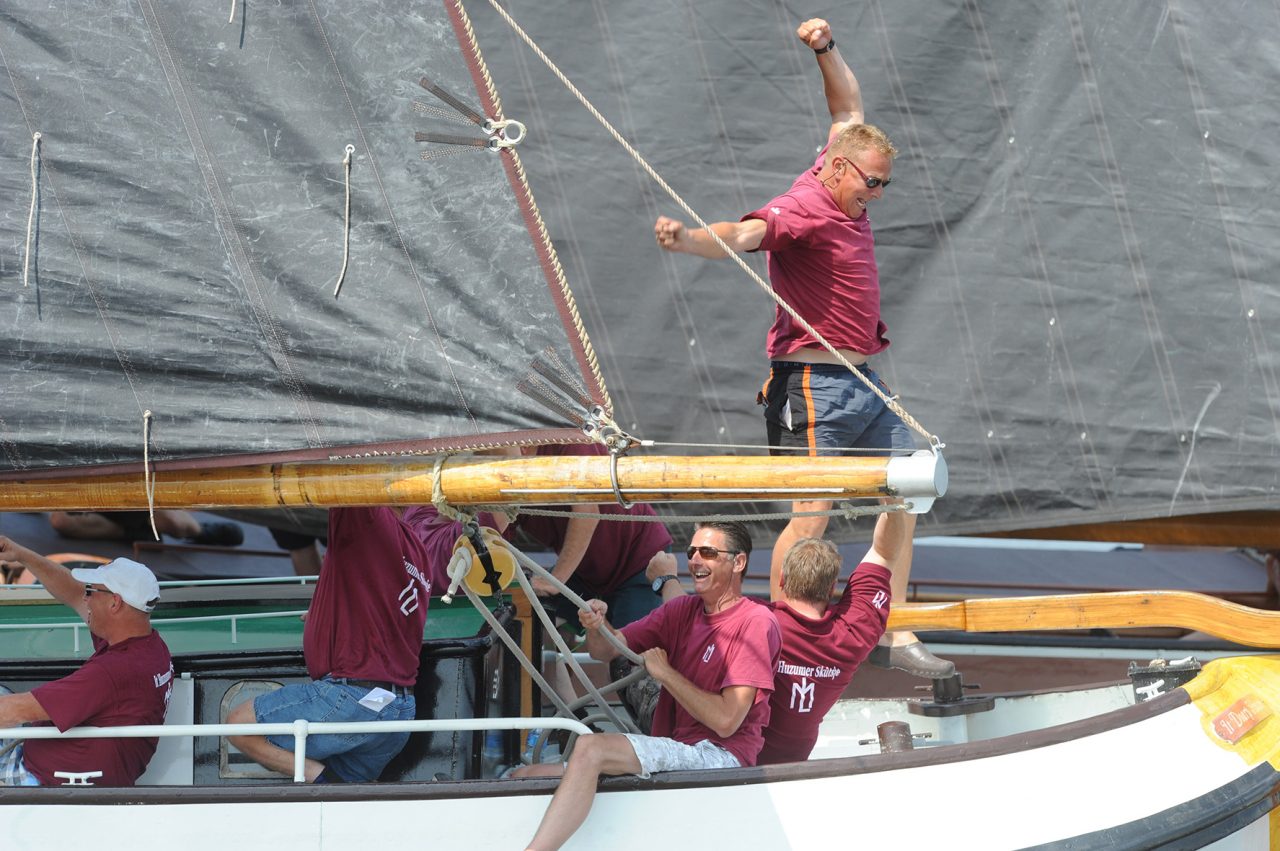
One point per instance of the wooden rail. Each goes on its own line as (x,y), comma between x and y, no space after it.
(1121,610)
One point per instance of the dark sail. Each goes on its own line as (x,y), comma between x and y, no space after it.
(190,224)
(1078,254)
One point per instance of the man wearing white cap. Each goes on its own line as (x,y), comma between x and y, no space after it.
(127,681)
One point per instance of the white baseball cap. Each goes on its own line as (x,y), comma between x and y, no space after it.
(134,582)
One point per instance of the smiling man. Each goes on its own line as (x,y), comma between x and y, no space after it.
(127,681)
(713,652)
(822,263)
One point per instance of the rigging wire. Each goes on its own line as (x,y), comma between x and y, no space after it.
(889,402)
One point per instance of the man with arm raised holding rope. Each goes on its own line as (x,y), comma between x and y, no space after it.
(822,263)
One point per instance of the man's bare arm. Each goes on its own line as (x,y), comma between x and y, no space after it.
(844,96)
(577,537)
(56,579)
(600,648)
(740,236)
(18,709)
(722,711)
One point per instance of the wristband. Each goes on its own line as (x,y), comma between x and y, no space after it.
(822,50)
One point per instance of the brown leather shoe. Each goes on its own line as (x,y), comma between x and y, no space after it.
(913,658)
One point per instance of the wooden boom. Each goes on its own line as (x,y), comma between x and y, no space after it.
(488,480)
(1120,610)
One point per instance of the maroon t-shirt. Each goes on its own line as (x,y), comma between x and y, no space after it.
(619,549)
(438,534)
(823,264)
(370,606)
(818,660)
(736,647)
(123,684)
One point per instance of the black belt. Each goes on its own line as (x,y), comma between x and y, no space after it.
(398,690)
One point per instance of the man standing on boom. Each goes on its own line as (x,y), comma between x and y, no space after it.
(822,263)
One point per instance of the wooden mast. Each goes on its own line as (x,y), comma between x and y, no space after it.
(487,480)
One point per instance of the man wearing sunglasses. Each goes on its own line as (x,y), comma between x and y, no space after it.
(714,653)
(127,681)
(821,260)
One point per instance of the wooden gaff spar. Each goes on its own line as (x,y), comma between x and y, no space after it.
(490,481)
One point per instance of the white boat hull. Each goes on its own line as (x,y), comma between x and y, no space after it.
(1136,777)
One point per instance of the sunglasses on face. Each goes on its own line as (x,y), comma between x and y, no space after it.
(709,553)
(89,591)
(872,182)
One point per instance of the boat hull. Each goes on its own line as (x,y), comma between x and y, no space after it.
(1148,775)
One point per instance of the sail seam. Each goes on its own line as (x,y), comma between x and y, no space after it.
(276,345)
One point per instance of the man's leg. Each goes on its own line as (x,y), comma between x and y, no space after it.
(258,749)
(85,525)
(603,753)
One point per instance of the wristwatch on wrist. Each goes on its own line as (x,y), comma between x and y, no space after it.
(826,49)
(660,581)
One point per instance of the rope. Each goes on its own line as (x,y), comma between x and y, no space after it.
(549,628)
(568,302)
(148,477)
(31,214)
(729,252)
(346,222)
(232,19)
(438,498)
(845,510)
(764,446)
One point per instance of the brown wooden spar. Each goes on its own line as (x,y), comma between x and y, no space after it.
(1118,610)
(486,480)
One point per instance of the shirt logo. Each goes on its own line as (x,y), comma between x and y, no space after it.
(879,599)
(711,648)
(409,598)
(777,211)
(802,695)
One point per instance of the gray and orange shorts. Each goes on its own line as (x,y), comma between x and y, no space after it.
(824,408)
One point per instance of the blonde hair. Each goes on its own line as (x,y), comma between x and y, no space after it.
(810,569)
(861,137)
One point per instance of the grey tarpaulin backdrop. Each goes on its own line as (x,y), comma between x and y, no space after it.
(189,232)
(1078,252)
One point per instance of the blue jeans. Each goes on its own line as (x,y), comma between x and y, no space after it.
(354,757)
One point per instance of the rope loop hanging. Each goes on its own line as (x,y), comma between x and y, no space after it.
(148,477)
(346,220)
(31,214)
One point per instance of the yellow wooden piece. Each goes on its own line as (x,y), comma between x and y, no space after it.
(558,480)
(1245,685)
(1119,610)
(504,563)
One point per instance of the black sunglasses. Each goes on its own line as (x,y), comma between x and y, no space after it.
(872,182)
(709,553)
(90,590)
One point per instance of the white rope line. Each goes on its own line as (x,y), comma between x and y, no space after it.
(878,450)
(549,628)
(31,214)
(232,19)
(149,478)
(346,223)
(845,510)
(729,252)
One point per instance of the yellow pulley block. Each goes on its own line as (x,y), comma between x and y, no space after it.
(484,580)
